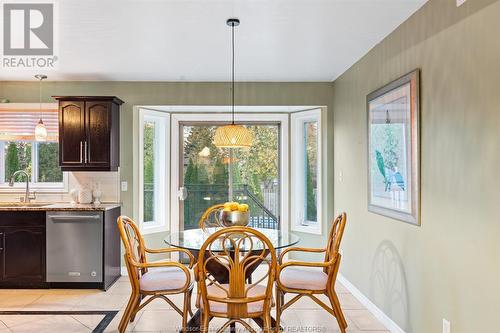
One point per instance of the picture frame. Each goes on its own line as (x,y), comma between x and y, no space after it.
(393,136)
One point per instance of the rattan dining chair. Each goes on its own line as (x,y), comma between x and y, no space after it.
(152,280)
(210,218)
(312,278)
(236,300)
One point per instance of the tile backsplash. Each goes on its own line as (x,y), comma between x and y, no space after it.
(108,182)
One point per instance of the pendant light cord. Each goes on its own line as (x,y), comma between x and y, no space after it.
(40,78)
(40,97)
(232,70)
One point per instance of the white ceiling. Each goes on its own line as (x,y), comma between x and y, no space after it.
(188,40)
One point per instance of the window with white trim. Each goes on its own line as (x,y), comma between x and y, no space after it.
(20,151)
(154,148)
(306,171)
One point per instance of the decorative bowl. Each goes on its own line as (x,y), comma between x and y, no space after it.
(234,218)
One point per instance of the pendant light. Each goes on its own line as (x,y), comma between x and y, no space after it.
(232,136)
(40,129)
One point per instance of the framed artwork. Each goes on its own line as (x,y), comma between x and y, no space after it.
(393,149)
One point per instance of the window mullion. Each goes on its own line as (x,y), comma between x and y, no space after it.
(34,162)
(157,179)
(2,162)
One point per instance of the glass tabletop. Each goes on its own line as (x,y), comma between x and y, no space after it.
(193,239)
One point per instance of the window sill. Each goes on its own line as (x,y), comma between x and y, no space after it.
(153,229)
(308,229)
(39,190)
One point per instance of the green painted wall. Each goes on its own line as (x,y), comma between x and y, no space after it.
(449,267)
(178,93)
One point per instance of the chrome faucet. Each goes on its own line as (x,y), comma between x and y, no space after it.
(27,197)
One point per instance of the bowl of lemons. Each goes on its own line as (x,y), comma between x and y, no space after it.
(234,214)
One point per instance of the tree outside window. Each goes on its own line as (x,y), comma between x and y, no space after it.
(18,155)
(255,170)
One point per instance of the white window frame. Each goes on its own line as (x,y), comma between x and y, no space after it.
(162,177)
(39,187)
(297,171)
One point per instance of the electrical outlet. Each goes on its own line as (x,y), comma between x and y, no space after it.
(446,326)
(124,186)
(460,2)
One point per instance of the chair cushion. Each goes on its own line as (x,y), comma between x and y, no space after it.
(219,307)
(305,278)
(163,278)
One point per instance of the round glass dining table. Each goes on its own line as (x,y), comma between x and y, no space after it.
(193,239)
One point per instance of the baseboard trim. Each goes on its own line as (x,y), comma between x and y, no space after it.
(375,311)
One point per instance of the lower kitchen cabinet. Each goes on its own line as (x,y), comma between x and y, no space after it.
(22,249)
(23,253)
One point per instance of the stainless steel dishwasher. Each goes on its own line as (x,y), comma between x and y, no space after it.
(74,246)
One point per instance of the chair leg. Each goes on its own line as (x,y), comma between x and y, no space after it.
(134,312)
(186,309)
(279,304)
(128,312)
(205,319)
(267,322)
(190,307)
(334,301)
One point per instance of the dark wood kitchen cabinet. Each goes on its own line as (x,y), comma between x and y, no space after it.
(22,249)
(89,133)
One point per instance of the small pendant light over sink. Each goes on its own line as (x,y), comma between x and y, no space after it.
(232,136)
(40,129)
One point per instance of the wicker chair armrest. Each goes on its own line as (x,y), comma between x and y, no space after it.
(299,249)
(170,250)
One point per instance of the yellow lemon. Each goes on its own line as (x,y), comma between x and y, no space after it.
(227,209)
(227,205)
(234,206)
(243,207)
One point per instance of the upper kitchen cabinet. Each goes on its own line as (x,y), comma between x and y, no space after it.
(89,133)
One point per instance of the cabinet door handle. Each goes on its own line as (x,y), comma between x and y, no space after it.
(81,151)
(85,152)
(2,236)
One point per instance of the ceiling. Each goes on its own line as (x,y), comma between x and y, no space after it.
(188,40)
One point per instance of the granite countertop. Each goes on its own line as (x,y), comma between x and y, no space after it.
(51,206)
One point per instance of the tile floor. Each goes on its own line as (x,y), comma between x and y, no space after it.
(303,316)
